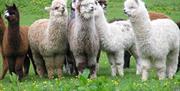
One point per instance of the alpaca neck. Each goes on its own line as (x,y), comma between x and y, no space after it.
(14,37)
(101,22)
(142,27)
(2,25)
(57,27)
(86,25)
(102,26)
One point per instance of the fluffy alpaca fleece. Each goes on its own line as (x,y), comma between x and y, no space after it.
(115,38)
(157,41)
(83,37)
(153,16)
(48,39)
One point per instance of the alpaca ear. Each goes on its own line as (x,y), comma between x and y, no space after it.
(137,1)
(47,8)
(14,6)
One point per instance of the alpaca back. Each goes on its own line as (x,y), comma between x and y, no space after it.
(166,28)
(37,32)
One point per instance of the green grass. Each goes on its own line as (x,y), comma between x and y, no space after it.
(34,9)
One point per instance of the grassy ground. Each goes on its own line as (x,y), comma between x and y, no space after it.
(34,9)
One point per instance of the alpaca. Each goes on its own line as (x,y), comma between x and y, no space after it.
(103,3)
(153,16)
(5,63)
(157,40)
(14,43)
(83,37)
(48,40)
(115,38)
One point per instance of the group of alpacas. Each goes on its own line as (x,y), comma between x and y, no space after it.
(77,41)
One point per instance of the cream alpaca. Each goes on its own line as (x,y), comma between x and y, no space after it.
(83,37)
(115,38)
(48,39)
(157,40)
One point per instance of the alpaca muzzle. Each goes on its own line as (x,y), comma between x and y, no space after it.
(6,14)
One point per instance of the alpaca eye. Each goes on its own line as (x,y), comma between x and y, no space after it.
(56,8)
(131,7)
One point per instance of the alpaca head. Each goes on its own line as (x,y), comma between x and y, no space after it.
(103,4)
(98,10)
(57,8)
(85,8)
(134,8)
(12,13)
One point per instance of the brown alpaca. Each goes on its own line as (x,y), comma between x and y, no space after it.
(14,43)
(5,63)
(155,15)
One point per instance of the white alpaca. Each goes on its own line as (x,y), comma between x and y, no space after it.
(48,39)
(115,38)
(157,40)
(83,37)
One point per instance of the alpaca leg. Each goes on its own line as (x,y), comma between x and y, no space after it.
(160,64)
(39,62)
(146,64)
(98,56)
(112,63)
(49,62)
(178,63)
(11,64)
(32,60)
(26,65)
(92,64)
(80,64)
(172,62)
(19,66)
(127,57)
(59,61)
(5,68)
(138,60)
(119,61)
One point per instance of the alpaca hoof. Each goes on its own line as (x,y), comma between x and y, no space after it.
(59,76)
(51,77)
(144,78)
(170,77)
(1,78)
(162,78)
(121,74)
(93,76)
(113,75)
(138,72)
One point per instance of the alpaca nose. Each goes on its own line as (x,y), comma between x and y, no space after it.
(6,14)
(63,9)
(92,8)
(124,11)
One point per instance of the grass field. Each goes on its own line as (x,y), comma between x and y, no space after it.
(32,10)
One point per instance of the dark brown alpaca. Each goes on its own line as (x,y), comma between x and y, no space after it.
(14,44)
(5,63)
